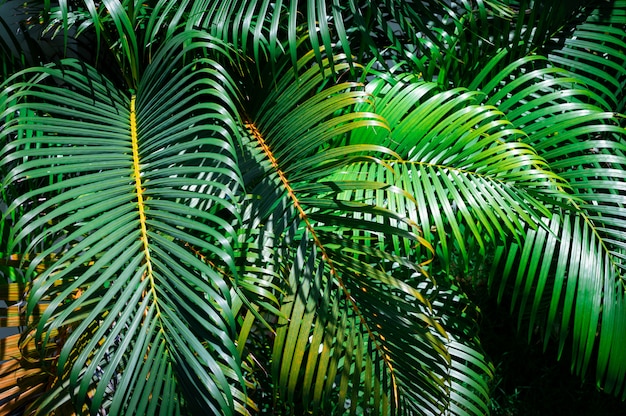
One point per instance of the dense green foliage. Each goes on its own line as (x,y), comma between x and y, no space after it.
(241,207)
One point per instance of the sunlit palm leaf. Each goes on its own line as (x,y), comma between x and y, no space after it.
(464,165)
(137,186)
(579,269)
(289,246)
(353,331)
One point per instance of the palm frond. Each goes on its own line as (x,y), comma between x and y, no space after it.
(578,267)
(595,53)
(353,332)
(463,163)
(137,185)
(272,214)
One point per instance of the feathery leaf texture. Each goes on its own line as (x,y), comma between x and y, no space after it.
(123,224)
(250,206)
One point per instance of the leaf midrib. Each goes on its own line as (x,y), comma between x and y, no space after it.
(136,174)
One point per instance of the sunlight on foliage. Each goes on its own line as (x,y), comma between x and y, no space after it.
(255,207)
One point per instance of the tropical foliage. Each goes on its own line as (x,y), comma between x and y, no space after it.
(242,207)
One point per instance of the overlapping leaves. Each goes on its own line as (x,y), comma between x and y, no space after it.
(339,343)
(303,227)
(578,266)
(140,319)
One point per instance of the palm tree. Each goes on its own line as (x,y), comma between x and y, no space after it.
(275,207)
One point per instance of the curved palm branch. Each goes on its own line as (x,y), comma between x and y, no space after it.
(578,266)
(137,184)
(351,333)
(465,165)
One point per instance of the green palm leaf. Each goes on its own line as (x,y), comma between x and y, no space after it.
(137,185)
(596,55)
(578,267)
(464,165)
(353,331)
(248,220)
